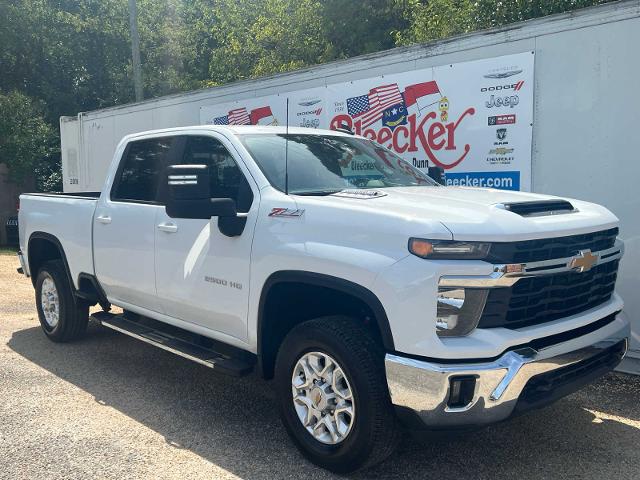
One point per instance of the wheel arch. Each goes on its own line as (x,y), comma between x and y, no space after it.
(43,247)
(333,287)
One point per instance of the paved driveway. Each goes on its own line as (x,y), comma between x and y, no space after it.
(111,407)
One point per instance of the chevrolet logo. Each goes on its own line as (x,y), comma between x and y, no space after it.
(583,261)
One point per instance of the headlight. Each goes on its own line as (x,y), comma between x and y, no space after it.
(448,249)
(459,310)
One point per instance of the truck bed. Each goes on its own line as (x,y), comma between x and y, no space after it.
(65,216)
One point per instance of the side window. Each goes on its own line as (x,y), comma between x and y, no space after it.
(227,180)
(140,171)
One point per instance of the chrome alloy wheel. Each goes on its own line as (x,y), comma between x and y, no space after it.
(322,398)
(50,301)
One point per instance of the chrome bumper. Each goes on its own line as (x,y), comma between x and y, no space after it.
(424,387)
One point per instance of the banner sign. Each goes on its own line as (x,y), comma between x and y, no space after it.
(473,119)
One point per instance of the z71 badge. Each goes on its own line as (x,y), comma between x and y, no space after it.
(286,212)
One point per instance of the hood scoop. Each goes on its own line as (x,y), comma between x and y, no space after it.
(539,208)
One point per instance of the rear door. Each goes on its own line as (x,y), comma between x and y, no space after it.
(201,274)
(124,225)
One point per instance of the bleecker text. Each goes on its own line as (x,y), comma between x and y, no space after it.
(427,132)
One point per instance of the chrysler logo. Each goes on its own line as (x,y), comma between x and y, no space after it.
(583,261)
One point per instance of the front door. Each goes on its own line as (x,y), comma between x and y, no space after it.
(125,225)
(202,276)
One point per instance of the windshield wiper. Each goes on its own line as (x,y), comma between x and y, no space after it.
(318,193)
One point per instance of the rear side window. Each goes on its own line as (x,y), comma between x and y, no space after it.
(141,169)
(227,180)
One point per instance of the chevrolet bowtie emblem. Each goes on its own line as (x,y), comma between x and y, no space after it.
(583,261)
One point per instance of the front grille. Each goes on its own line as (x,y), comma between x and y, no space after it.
(535,300)
(547,387)
(548,248)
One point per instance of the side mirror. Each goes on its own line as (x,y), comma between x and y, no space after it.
(189,196)
(188,193)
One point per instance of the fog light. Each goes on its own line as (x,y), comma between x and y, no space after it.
(447,322)
(459,310)
(461,391)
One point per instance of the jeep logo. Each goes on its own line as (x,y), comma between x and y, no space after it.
(506,101)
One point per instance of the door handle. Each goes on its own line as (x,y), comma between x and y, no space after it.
(168,227)
(104,219)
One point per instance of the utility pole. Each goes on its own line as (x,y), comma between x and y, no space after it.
(135,49)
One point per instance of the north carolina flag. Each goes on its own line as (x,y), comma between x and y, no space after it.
(422,95)
(262,116)
(369,108)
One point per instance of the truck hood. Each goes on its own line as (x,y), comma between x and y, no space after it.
(476,213)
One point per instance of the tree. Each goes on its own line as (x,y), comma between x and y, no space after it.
(261,37)
(435,19)
(27,142)
(359,27)
(73,55)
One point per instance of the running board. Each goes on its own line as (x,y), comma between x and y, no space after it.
(166,341)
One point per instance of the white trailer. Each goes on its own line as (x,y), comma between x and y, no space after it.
(585,110)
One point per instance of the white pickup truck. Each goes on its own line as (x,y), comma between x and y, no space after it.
(373,296)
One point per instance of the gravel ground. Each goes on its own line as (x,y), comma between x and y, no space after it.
(111,407)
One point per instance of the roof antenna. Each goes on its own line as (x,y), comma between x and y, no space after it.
(286,153)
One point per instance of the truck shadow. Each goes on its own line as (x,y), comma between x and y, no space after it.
(233,422)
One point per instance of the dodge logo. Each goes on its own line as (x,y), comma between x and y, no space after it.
(583,261)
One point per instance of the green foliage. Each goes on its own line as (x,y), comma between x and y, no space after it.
(435,19)
(26,139)
(358,27)
(73,55)
(262,37)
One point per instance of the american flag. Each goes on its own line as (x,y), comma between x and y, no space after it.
(369,108)
(221,120)
(239,116)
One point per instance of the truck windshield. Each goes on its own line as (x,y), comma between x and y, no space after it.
(325,164)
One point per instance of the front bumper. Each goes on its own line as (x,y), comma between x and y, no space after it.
(519,379)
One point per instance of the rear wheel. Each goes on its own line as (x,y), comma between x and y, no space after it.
(333,394)
(63,318)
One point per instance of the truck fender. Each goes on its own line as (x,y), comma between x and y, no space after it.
(313,279)
(93,294)
(51,239)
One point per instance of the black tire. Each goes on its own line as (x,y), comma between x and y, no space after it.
(374,433)
(73,315)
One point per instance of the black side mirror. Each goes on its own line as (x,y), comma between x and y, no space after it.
(189,196)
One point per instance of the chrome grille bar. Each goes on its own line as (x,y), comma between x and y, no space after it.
(506,275)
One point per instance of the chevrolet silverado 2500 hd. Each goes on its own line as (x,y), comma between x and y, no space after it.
(371,294)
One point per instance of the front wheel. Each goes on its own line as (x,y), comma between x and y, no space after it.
(63,318)
(333,394)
